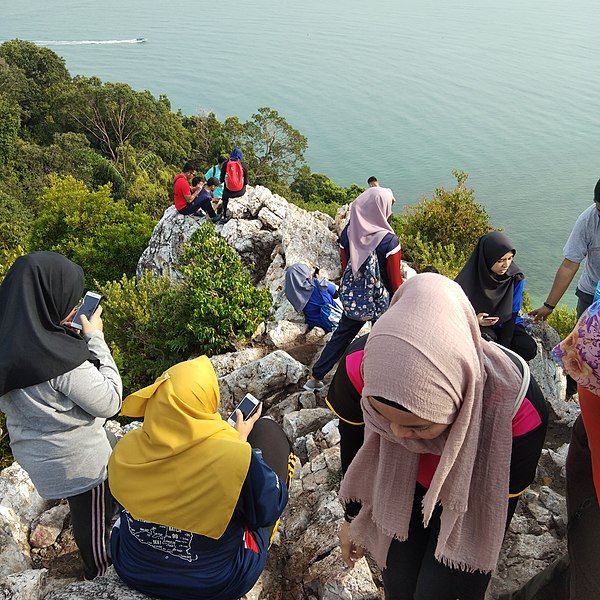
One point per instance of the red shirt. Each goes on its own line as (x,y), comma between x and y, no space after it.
(181,188)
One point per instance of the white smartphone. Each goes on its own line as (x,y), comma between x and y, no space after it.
(248,406)
(88,307)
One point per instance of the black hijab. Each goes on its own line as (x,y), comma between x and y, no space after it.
(490,293)
(38,292)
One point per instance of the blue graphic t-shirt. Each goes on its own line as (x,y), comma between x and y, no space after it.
(165,562)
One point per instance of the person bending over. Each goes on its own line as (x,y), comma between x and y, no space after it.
(441,432)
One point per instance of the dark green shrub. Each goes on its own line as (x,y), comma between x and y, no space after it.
(451,217)
(154,323)
(226,306)
(91,228)
(563,319)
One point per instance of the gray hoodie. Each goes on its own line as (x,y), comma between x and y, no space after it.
(57,427)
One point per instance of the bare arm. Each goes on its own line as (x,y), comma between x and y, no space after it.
(562,280)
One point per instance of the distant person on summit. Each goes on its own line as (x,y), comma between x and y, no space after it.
(215,171)
(583,243)
(372,181)
(184,196)
(234,175)
(204,201)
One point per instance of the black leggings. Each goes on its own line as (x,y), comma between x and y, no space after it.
(413,573)
(268,437)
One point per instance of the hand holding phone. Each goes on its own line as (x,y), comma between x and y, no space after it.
(88,307)
(486,321)
(244,416)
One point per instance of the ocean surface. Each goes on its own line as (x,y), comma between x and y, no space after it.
(406,90)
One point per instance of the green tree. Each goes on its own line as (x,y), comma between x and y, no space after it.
(10,123)
(112,114)
(275,150)
(91,228)
(34,78)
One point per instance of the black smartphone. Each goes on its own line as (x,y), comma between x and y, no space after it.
(248,406)
(88,307)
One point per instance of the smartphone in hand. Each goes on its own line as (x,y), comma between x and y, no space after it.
(489,321)
(248,406)
(88,307)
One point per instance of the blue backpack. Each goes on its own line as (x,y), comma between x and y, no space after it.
(330,314)
(364,296)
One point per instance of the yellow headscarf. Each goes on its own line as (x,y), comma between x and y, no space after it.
(186,466)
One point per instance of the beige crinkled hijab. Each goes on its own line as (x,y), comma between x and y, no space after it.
(426,354)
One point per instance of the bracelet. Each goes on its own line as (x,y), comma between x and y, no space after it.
(549,306)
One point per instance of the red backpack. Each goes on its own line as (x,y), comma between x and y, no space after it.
(234,176)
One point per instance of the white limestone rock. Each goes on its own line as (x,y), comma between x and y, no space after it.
(330,579)
(109,587)
(26,585)
(283,334)
(262,378)
(224,364)
(19,505)
(307,240)
(48,526)
(269,219)
(305,421)
(170,233)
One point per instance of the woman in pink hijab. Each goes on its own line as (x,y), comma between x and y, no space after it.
(453,429)
(367,240)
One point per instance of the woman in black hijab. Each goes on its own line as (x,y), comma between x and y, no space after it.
(57,388)
(494,284)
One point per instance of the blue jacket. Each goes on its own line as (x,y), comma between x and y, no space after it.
(169,563)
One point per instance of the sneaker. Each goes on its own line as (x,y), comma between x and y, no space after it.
(313,385)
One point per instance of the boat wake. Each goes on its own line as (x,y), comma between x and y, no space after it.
(88,42)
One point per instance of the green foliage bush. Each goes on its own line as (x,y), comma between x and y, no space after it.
(154,323)
(91,228)
(226,306)
(442,231)
(563,319)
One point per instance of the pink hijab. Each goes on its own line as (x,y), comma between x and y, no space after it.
(368,224)
(426,354)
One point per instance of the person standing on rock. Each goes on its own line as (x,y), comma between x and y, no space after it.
(234,176)
(372,181)
(494,284)
(200,498)
(57,388)
(453,429)
(184,196)
(577,576)
(371,256)
(583,244)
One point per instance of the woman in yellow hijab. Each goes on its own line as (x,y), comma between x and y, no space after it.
(199,497)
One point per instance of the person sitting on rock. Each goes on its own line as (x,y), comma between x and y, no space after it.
(367,241)
(494,284)
(205,199)
(215,171)
(184,196)
(441,431)
(575,577)
(200,498)
(314,297)
(57,388)
(234,176)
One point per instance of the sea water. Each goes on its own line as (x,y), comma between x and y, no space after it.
(405,90)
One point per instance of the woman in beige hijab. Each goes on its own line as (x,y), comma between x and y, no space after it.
(453,429)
